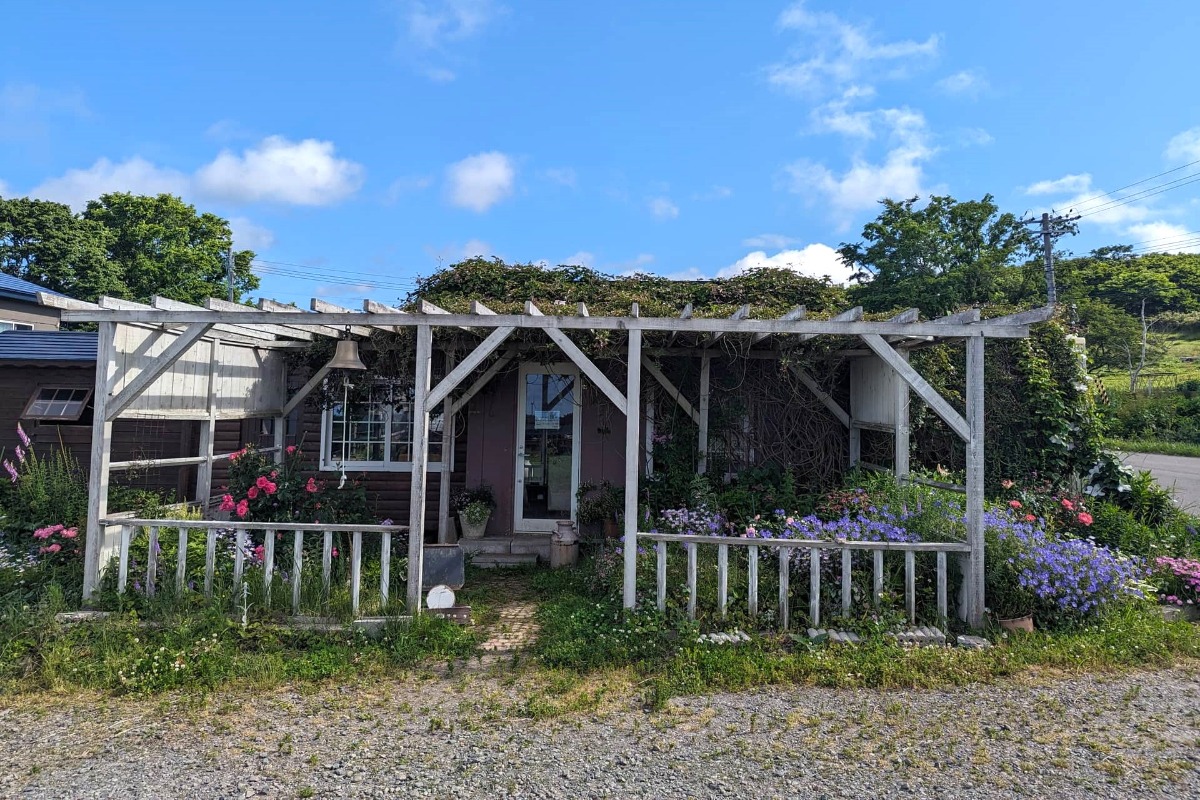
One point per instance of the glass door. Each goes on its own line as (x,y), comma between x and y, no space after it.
(548,425)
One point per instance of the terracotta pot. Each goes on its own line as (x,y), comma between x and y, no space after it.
(1024,624)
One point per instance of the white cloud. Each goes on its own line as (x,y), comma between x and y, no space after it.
(136,175)
(563,176)
(433,28)
(1081,182)
(305,173)
(967,83)
(816,261)
(836,54)
(1185,146)
(770,241)
(480,181)
(582,259)
(974,136)
(249,235)
(662,208)
(1164,237)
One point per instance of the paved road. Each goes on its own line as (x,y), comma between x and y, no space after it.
(1175,472)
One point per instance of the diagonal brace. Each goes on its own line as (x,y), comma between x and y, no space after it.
(935,401)
(468,365)
(133,390)
(672,390)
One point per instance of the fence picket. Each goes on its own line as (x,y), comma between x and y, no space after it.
(239,557)
(297,568)
(210,561)
(152,561)
(752,581)
(123,560)
(722,578)
(181,561)
(326,562)
(355,570)
(268,565)
(385,569)
(785,559)
(910,585)
(877,590)
(691,579)
(814,588)
(846,583)
(941,588)
(660,554)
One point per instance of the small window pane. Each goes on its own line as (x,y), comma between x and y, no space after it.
(58,403)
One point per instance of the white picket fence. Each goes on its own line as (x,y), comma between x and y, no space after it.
(242,531)
(786,548)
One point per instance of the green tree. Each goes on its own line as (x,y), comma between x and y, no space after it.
(161,245)
(44,242)
(941,256)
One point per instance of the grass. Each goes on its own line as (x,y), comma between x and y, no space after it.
(1159,446)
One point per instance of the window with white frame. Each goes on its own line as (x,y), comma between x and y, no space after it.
(374,432)
(64,403)
(8,325)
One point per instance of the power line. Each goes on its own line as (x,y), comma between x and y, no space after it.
(1131,185)
(322,270)
(1143,194)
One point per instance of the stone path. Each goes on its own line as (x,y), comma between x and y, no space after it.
(515,630)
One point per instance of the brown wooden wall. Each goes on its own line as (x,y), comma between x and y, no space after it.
(41,318)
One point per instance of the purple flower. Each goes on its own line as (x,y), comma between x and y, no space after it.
(23,436)
(20,454)
(12,471)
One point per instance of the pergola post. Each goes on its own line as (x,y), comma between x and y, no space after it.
(447,463)
(975,538)
(100,457)
(420,460)
(702,438)
(207,427)
(902,433)
(633,393)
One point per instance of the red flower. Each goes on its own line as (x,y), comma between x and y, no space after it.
(311,486)
(1015,503)
(227,503)
(1030,518)
(270,488)
(1085,518)
(243,508)
(252,492)
(291,448)
(1068,505)
(261,482)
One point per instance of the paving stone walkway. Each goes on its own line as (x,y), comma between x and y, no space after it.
(516,629)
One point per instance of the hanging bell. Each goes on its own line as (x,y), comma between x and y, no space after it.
(346,356)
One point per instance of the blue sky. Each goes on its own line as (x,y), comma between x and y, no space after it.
(357,145)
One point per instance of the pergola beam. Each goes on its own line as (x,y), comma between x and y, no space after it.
(230,325)
(304,334)
(306,389)
(265,304)
(741,313)
(685,314)
(672,390)
(826,399)
(483,380)
(585,364)
(935,401)
(796,313)
(330,310)
(852,315)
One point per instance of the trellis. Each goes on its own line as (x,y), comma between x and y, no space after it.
(224,360)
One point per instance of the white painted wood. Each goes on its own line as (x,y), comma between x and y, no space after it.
(483,380)
(373,307)
(360,322)
(210,560)
(120,466)
(850,315)
(582,310)
(447,461)
(265,304)
(691,580)
(942,605)
(268,565)
(634,393)
(910,586)
(872,394)
(671,389)
(420,462)
(239,558)
(152,562)
(94,550)
(877,585)
(229,325)
(785,573)
(723,578)
(208,426)
(814,588)
(585,364)
(959,317)
(751,581)
(805,327)
(935,401)
(134,388)
(826,399)
(181,561)
(546,524)
(385,569)
(282,331)
(316,380)
(846,563)
(808,544)
(297,568)
(326,562)
(123,559)
(901,445)
(468,365)
(975,531)
(660,555)
(356,570)
(686,313)
(702,419)
(796,313)
(741,313)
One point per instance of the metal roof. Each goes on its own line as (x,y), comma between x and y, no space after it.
(48,346)
(20,289)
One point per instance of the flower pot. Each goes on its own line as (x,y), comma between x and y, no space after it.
(473,530)
(611,531)
(1024,624)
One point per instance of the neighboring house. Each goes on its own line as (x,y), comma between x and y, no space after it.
(19,308)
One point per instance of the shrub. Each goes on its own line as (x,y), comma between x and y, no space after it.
(1179,580)
(41,491)
(262,490)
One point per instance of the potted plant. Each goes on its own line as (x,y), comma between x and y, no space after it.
(1009,601)
(600,503)
(474,507)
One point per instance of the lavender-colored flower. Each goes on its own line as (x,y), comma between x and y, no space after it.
(20,454)
(11,470)
(24,437)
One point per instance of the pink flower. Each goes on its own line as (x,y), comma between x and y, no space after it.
(70,533)
(24,437)
(1007,484)
(261,482)
(270,488)
(290,449)
(334,552)
(51,548)
(1014,503)
(44,533)
(258,553)
(252,492)
(309,487)
(227,503)
(1030,518)
(12,471)
(242,509)
(274,474)
(1085,518)
(1068,505)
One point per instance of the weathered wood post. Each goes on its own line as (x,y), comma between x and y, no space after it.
(975,538)
(900,460)
(447,462)
(207,427)
(420,460)
(633,405)
(702,438)
(100,457)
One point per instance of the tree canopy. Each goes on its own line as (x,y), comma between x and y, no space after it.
(122,245)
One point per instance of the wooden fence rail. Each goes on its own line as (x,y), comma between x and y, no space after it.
(242,531)
(786,550)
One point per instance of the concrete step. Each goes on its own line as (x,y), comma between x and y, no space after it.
(488,544)
(499,560)
(539,545)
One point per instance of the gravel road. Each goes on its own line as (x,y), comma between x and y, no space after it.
(458,736)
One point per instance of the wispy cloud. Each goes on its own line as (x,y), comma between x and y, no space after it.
(28,111)
(1184,146)
(407,185)
(76,187)
(662,208)
(770,241)
(1067,183)
(713,193)
(563,176)
(434,31)
(1164,237)
(248,235)
(965,83)
(481,181)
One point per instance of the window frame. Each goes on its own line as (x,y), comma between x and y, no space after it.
(36,397)
(327,463)
(16,326)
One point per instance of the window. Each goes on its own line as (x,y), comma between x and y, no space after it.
(375,432)
(6,325)
(57,403)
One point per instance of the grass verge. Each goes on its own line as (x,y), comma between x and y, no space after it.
(1158,446)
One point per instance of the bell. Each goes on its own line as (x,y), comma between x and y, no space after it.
(346,356)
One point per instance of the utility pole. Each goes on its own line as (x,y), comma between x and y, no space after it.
(229,272)
(1052,228)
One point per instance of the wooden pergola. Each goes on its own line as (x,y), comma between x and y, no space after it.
(223,360)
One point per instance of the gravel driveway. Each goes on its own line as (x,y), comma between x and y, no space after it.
(457,736)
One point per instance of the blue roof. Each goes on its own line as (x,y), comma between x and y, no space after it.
(20,289)
(48,346)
